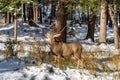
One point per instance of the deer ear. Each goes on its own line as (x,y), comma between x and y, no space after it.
(56,35)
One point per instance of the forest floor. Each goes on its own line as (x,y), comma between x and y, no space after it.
(101,62)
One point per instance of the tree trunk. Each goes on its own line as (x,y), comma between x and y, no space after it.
(119,17)
(23,12)
(43,3)
(91,27)
(71,13)
(40,15)
(30,13)
(10,18)
(113,15)
(61,20)
(7,17)
(102,38)
(15,27)
(35,16)
(40,12)
(36,13)
(53,10)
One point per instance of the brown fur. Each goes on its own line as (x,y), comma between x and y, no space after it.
(61,49)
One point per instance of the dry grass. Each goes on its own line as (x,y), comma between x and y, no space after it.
(108,65)
(102,61)
(67,62)
(91,59)
(38,55)
(21,45)
(116,61)
(116,76)
(35,53)
(12,48)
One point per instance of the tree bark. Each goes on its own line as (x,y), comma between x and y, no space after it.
(15,27)
(91,26)
(119,17)
(7,17)
(40,12)
(23,12)
(30,13)
(61,20)
(53,10)
(102,37)
(113,15)
(40,15)
(35,13)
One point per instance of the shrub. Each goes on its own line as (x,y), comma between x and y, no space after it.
(12,48)
(37,54)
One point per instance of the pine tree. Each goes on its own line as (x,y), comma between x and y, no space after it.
(112,7)
(61,19)
(91,17)
(103,23)
(12,6)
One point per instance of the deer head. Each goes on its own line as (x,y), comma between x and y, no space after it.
(51,37)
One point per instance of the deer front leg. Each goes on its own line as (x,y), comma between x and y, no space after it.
(55,59)
(58,61)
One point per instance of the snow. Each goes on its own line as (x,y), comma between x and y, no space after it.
(11,64)
(15,69)
(43,73)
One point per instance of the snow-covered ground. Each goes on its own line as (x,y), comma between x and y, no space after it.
(14,69)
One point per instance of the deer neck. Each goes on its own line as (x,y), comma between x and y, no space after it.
(54,44)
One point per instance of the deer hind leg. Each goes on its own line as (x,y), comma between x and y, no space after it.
(80,62)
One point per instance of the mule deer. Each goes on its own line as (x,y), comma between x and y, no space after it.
(61,49)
